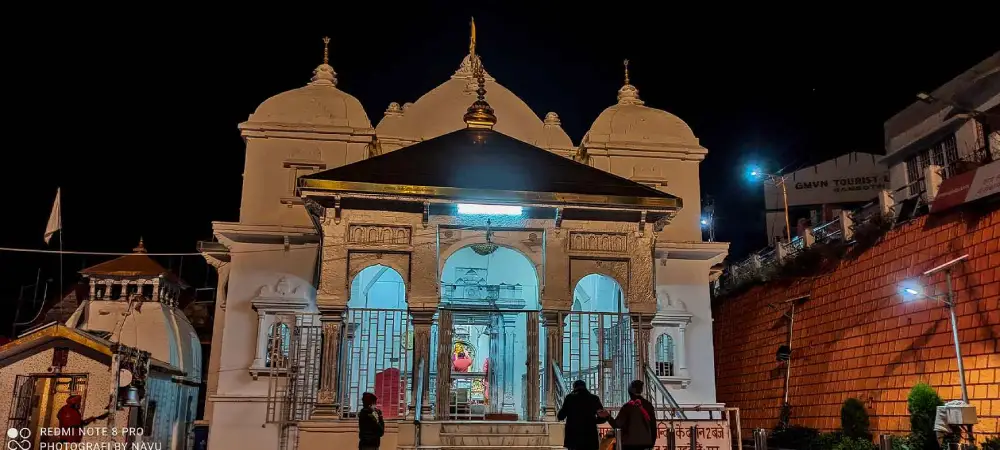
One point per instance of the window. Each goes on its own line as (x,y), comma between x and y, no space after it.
(944,154)
(278,337)
(664,356)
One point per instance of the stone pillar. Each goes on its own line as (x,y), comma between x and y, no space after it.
(422,320)
(641,327)
(444,347)
(533,372)
(219,322)
(259,358)
(327,398)
(553,354)
(681,348)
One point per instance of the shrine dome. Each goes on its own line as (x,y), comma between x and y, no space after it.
(318,103)
(440,112)
(630,121)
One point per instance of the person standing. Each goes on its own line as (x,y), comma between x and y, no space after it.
(637,420)
(582,412)
(371,426)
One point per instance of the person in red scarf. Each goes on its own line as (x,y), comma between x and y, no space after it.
(71,422)
(637,420)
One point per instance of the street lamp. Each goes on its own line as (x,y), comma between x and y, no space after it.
(913,291)
(778,180)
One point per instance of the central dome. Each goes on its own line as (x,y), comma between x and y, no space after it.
(318,103)
(441,111)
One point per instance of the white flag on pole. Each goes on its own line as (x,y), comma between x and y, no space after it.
(55,219)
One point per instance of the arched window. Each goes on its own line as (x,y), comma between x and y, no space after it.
(278,337)
(664,356)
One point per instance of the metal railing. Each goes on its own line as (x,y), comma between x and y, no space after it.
(560,387)
(418,404)
(660,397)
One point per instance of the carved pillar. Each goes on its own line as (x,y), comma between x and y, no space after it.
(681,347)
(553,354)
(641,327)
(327,404)
(533,362)
(218,326)
(444,365)
(422,322)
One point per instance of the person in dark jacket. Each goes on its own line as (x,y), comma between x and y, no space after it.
(582,412)
(637,420)
(371,427)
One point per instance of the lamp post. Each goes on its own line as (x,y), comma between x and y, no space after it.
(778,181)
(948,298)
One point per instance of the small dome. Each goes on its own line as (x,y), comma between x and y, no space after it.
(319,103)
(630,121)
(553,135)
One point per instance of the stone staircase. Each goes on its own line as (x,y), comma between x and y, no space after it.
(477,435)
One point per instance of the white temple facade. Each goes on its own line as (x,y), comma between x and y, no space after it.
(464,263)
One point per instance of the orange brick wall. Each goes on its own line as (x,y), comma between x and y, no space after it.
(856,337)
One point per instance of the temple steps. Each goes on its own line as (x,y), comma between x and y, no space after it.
(495,428)
(466,440)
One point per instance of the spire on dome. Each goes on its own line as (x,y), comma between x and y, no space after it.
(141,248)
(628,94)
(480,114)
(324,73)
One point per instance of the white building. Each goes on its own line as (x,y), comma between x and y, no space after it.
(818,193)
(129,322)
(954,127)
(487,255)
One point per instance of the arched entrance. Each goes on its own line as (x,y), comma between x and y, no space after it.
(598,344)
(378,342)
(488,322)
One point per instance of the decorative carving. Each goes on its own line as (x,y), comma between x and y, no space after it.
(281,289)
(662,222)
(582,241)
(336,209)
(642,222)
(559,217)
(426,214)
(378,234)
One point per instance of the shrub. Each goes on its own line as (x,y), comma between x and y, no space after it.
(922,404)
(854,419)
(827,441)
(849,443)
(795,436)
(992,443)
(901,442)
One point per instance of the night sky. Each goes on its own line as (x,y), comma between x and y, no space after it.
(137,120)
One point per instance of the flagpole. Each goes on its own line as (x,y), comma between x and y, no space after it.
(61,289)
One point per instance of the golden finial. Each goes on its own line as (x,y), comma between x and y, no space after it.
(472,37)
(141,248)
(626,72)
(326,50)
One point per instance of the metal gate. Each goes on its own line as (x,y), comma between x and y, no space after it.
(599,348)
(294,373)
(376,357)
(20,407)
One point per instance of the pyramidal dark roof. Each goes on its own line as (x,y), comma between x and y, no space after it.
(488,165)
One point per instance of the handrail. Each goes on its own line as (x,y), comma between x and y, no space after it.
(657,387)
(419,402)
(560,384)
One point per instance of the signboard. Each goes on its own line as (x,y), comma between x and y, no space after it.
(711,434)
(854,177)
(967,187)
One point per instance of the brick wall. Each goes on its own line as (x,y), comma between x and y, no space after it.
(856,337)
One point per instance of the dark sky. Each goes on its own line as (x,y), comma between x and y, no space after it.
(136,119)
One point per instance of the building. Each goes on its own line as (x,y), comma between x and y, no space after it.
(464,260)
(816,194)
(954,128)
(804,327)
(128,319)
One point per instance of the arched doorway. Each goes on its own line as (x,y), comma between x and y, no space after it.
(378,342)
(490,299)
(598,345)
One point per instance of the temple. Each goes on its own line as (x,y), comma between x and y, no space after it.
(464,261)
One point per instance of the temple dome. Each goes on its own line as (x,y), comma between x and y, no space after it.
(318,103)
(160,329)
(441,111)
(630,121)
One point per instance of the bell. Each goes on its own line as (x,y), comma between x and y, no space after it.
(130,397)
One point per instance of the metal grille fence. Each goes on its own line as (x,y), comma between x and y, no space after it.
(376,357)
(599,348)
